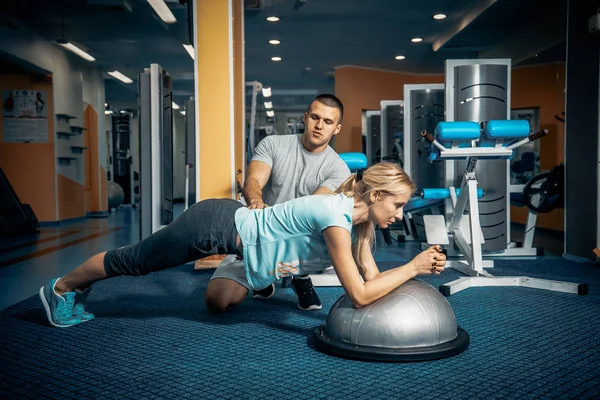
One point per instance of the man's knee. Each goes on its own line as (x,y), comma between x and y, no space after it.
(224,293)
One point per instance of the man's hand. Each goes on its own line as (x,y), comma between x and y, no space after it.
(257,205)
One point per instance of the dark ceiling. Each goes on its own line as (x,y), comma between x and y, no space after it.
(316,37)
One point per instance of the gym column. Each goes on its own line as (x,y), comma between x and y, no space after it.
(219,92)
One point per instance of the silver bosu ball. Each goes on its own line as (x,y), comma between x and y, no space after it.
(414,322)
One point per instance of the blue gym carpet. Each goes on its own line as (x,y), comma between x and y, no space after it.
(154,339)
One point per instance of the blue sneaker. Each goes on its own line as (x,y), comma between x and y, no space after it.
(59,309)
(80,304)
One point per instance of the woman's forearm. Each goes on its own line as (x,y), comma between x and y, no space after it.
(384,283)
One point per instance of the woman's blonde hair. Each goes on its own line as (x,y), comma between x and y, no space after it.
(384,179)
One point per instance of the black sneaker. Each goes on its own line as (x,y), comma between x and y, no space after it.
(307,297)
(265,293)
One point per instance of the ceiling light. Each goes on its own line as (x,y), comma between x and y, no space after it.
(175,106)
(70,46)
(108,112)
(268,104)
(266,91)
(163,11)
(270,113)
(416,40)
(182,112)
(120,77)
(308,68)
(400,57)
(439,16)
(273,19)
(276,58)
(190,50)
(105,104)
(274,41)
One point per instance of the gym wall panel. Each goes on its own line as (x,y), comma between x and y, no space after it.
(363,89)
(93,191)
(103,190)
(214,103)
(70,194)
(240,86)
(543,86)
(30,167)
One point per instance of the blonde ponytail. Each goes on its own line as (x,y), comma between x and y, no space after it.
(386,179)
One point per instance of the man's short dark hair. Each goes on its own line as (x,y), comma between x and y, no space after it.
(330,101)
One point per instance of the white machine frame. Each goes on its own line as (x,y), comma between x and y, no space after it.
(465,231)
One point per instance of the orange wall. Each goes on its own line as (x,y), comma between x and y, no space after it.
(363,89)
(543,86)
(30,167)
(70,194)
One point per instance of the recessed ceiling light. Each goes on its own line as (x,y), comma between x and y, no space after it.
(439,16)
(273,19)
(276,58)
(274,41)
(416,40)
(399,57)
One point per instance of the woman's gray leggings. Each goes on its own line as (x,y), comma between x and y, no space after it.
(204,229)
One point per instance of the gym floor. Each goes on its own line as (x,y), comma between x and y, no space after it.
(154,338)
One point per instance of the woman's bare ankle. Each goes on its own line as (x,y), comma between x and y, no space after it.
(61,288)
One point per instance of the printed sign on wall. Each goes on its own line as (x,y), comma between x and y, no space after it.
(24,116)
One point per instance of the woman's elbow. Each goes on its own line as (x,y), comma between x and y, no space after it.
(358,302)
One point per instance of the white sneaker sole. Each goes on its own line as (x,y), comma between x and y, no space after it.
(310,308)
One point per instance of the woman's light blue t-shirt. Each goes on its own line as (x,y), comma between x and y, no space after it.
(279,240)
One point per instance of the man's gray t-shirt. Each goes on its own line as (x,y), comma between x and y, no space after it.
(295,172)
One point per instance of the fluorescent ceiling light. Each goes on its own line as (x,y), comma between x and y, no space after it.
(270,113)
(175,106)
(163,11)
(268,104)
(190,50)
(400,57)
(108,112)
(120,77)
(274,41)
(123,111)
(276,58)
(266,91)
(439,16)
(273,19)
(71,47)
(416,40)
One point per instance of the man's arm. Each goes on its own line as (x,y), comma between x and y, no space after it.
(256,179)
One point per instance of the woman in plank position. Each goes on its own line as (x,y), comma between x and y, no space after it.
(275,242)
